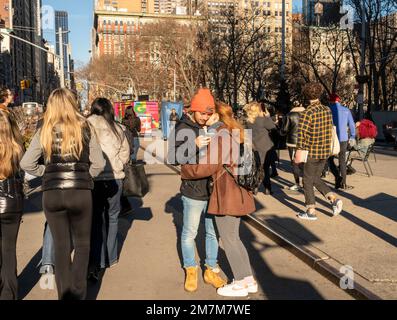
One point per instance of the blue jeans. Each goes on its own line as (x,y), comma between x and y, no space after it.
(48,251)
(193,210)
(134,155)
(104,242)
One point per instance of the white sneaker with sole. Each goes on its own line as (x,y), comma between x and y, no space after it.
(307,216)
(233,290)
(337,207)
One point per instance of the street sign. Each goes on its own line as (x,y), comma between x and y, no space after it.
(126,97)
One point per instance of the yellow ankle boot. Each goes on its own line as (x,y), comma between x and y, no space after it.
(191,279)
(212,276)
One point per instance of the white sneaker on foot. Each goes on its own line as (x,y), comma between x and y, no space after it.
(337,207)
(233,290)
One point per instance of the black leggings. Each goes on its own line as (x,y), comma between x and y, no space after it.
(9,227)
(69,212)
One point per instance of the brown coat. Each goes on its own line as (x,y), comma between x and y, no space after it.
(227,197)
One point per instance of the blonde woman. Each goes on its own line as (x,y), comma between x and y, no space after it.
(11,205)
(261,125)
(72,158)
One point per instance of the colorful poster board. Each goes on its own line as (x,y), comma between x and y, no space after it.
(144,109)
(146,125)
(148,108)
(166,107)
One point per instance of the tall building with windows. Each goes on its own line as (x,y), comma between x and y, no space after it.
(321,13)
(62,21)
(19,60)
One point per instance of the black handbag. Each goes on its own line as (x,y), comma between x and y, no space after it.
(135,182)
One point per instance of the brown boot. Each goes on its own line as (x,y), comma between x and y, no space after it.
(212,276)
(191,279)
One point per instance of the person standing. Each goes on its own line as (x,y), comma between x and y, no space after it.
(289,128)
(174,118)
(133,123)
(11,204)
(346,131)
(72,157)
(195,192)
(315,137)
(261,126)
(228,201)
(108,186)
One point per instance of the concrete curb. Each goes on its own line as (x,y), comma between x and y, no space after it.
(315,258)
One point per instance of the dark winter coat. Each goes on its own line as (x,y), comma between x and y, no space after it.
(261,129)
(11,195)
(197,189)
(289,126)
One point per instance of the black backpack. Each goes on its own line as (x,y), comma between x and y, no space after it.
(251,173)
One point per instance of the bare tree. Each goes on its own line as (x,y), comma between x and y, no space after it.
(381,50)
(238,53)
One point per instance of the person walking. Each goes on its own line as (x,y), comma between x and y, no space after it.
(342,119)
(11,204)
(72,157)
(133,123)
(315,137)
(196,192)
(228,201)
(108,186)
(261,126)
(289,128)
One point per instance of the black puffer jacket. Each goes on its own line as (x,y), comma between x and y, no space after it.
(289,126)
(65,172)
(198,189)
(11,195)
(68,172)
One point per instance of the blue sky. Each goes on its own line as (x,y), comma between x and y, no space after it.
(80,24)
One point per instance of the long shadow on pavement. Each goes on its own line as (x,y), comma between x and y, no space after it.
(175,207)
(29,276)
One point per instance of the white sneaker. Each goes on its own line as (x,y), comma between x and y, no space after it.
(252,287)
(233,290)
(337,207)
(295,187)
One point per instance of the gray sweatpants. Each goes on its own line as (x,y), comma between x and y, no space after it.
(236,253)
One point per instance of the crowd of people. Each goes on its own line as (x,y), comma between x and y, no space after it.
(81,162)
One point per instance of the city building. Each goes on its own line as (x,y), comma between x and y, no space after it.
(113,30)
(321,13)
(62,22)
(53,70)
(21,61)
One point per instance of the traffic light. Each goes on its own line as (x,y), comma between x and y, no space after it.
(23,85)
(27,83)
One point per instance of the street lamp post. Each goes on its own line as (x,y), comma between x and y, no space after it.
(360,96)
(283,27)
(62,58)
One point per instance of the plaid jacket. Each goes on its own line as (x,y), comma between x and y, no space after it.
(315,131)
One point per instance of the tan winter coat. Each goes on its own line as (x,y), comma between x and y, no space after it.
(115,152)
